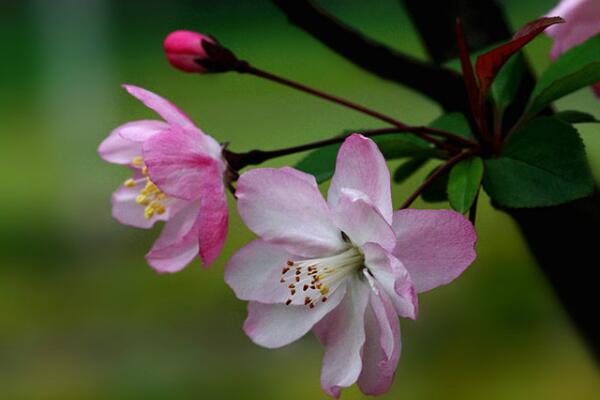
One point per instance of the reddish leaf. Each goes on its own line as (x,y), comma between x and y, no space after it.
(488,64)
(467,72)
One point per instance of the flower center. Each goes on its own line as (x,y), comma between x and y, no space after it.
(151,197)
(315,278)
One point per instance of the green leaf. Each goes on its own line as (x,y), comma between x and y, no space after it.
(506,84)
(454,123)
(321,162)
(436,192)
(407,168)
(463,184)
(575,117)
(575,69)
(543,164)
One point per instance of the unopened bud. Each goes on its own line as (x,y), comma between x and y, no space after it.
(194,52)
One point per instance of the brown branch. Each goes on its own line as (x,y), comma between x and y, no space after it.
(440,85)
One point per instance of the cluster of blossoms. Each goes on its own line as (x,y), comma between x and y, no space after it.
(346,267)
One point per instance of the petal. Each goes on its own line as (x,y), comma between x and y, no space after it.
(178,165)
(177,244)
(128,212)
(361,166)
(361,221)
(254,272)
(435,246)
(276,325)
(342,332)
(284,206)
(123,143)
(214,215)
(170,113)
(176,118)
(395,280)
(581,18)
(381,351)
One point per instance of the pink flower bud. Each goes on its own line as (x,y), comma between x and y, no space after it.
(194,52)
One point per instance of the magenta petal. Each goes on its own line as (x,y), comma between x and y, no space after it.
(342,332)
(161,106)
(276,325)
(284,206)
(177,244)
(435,246)
(360,220)
(254,272)
(178,165)
(361,166)
(124,142)
(214,215)
(581,18)
(381,351)
(393,277)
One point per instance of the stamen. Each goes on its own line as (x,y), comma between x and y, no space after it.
(318,277)
(151,197)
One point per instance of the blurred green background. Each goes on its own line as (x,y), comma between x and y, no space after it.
(83,316)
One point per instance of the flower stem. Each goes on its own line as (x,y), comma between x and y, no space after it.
(423,132)
(439,171)
(240,160)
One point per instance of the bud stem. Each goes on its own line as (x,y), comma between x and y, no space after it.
(238,161)
(423,132)
(441,169)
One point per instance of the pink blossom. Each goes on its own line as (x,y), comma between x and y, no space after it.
(187,51)
(345,268)
(582,22)
(177,177)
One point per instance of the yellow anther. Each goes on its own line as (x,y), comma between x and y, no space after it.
(129,183)
(137,161)
(148,212)
(145,171)
(143,200)
(324,290)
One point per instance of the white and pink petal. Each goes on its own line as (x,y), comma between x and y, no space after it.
(361,166)
(435,246)
(381,351)
(125,142)
(254,272)
(356,216)
(342,332)
(178,243)
(276,325)
(284,206)
(393,277)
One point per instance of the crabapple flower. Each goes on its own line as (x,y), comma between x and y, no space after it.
(194,52)
(582,22)
(177,177)
(346,268)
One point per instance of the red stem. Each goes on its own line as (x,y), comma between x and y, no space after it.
(240,160)
(442,168)
(422,131)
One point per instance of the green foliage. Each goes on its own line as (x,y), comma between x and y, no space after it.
(575,117)
(407,168)
(577,68)
(454,123)
(506,84)
(463,184)
(321,162)
(543,164)
(436,192)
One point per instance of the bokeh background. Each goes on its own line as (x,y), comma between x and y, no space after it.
(83,316)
